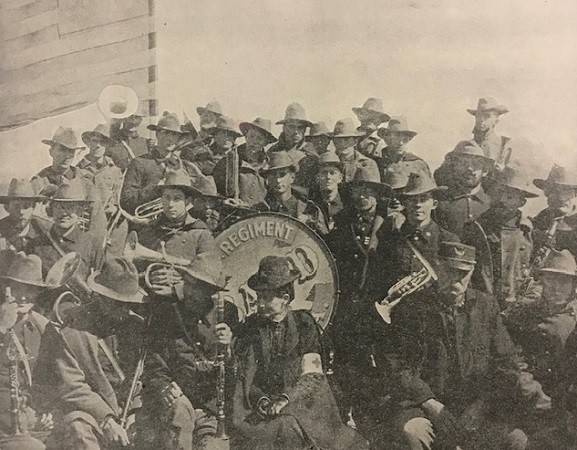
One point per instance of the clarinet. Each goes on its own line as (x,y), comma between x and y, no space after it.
(220,388)
(13,375)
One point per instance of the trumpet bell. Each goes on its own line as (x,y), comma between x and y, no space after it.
(136,252)
(117,102)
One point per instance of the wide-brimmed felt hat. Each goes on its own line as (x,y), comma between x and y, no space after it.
(488,104)
(374,106)
(459,256)
(206,186)
(20,188)
(262,125)
(366,175)
(470,148)
(396,176)
(278,160)
(213,107)
(168,122)
(71,191)
(178,179)
(118,280)
(420,183)
(397,124)
(27,269)
(331,159)
(318,129)
(101,131)
(65,137)
(345,128)
(225,123)
(295,113)
(559,176)
(560,262)
(273,272)
(514,177)
(207,268)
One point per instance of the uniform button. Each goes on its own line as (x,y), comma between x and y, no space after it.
(549,370)
(427,234)
(198,344)
(200,321)
(415,238)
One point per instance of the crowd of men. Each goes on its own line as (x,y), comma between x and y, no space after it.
(454,327)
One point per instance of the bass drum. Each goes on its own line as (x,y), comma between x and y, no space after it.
(246,242)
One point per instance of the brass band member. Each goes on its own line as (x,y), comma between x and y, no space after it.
(224,134)
(180,375)
(20,228)
(283,400)
(79,370)
(371,115)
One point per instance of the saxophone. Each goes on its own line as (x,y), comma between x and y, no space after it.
(14,377)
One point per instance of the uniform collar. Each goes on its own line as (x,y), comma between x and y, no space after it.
(85,163)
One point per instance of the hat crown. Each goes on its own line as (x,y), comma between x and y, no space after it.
(273,272)
(103,129)
(468,148)
(457,251)
(374,104)
(330,158)
(214,107)
(396,176)
(225,123)
(178,177)
(419,183)
(26,269)
(205,185)
(561,175)
(367,173)
(345,128)
(560,262)
(65,136)
(514,177)
(169,121)
(70,190)
(319,129)
(265,124)
(20,188)
(120,276)
(295,111)
(279,160)
(489,104)
(398,123)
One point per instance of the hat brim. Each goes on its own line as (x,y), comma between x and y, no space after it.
(527,193)
(459,263)
(219,286)
(214,129)
(201,110)
(561,272)
(138,297)
(498,109)
(382,132)
(70,200)
(156,128)
(384,190)
(188,190)
(303,122)
(265,171)
(38,284)
(245,126)
(4,199)
(336,136)
(384,117)
(435,191)
(88,134)
(339,165)
(257,283)
(51,142)
(544,184)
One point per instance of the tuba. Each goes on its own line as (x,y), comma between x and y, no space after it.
(406,286)
(117,102)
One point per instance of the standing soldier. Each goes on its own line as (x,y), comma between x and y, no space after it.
(224,134)
(493,145)
(106,176)
(371,115)
(79,370)
(145,172)
(249,186)
(63,147)
(397,135)
(502,236)
(465,200)
(128,144)
(326,192)
(319,137)
(556,225)
(345,138)
(208,117)
(292,141)
(20,228)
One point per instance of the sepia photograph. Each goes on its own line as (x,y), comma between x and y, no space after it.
(288,225)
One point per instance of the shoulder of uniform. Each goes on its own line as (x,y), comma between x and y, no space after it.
(304,318)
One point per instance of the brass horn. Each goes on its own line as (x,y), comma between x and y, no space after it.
(148,211)
(117,102)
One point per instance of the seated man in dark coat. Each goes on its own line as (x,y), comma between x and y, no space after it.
(282,400)
(79,372)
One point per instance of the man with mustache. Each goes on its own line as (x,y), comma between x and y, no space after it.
(145,172)
(560,189)
(63,148)
(21,227)
(465,200)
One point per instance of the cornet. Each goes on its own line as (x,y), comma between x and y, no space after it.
(406,286)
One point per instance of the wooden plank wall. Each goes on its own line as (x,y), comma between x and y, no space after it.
(57,55)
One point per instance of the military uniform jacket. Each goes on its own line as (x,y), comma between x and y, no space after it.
(251,185)
(120,154)
(73,373)
(456,354)
(107,179)
(406,162)
(455,209)
(142,175)
(98,223)
(25,240)
(565,235)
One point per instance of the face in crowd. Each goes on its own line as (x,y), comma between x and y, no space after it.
(273,304)
(469,170)
(418,208)
(396,141)
(24,296)
(344,143)
(166,141)
(175,203)
(62,157)
(96,147)
(280,181)
(329,178)
(562,198)
(455,283)
(512,199)
(224,139)
(130,126)
(558,288)
(364,197)
(294,133)
(368,120)
(255,140)
(486,120)
(20,210)
(67,214)
(207,119)
(320,143)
